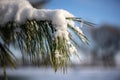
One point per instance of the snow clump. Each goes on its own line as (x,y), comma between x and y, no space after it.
(21,10)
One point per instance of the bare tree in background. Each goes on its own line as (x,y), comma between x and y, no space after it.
(107,43)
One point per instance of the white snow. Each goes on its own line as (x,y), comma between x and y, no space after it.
(21,10)
(82,73)
(78,29)
(57,54)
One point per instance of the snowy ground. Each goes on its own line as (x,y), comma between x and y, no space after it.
(72,74)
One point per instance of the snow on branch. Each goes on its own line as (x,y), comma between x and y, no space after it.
(37,31)
(19,11)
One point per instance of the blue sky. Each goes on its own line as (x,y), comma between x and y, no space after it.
(97,11)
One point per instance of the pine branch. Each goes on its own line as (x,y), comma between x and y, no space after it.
(36,41)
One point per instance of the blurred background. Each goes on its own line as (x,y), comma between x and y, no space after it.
(100,60)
